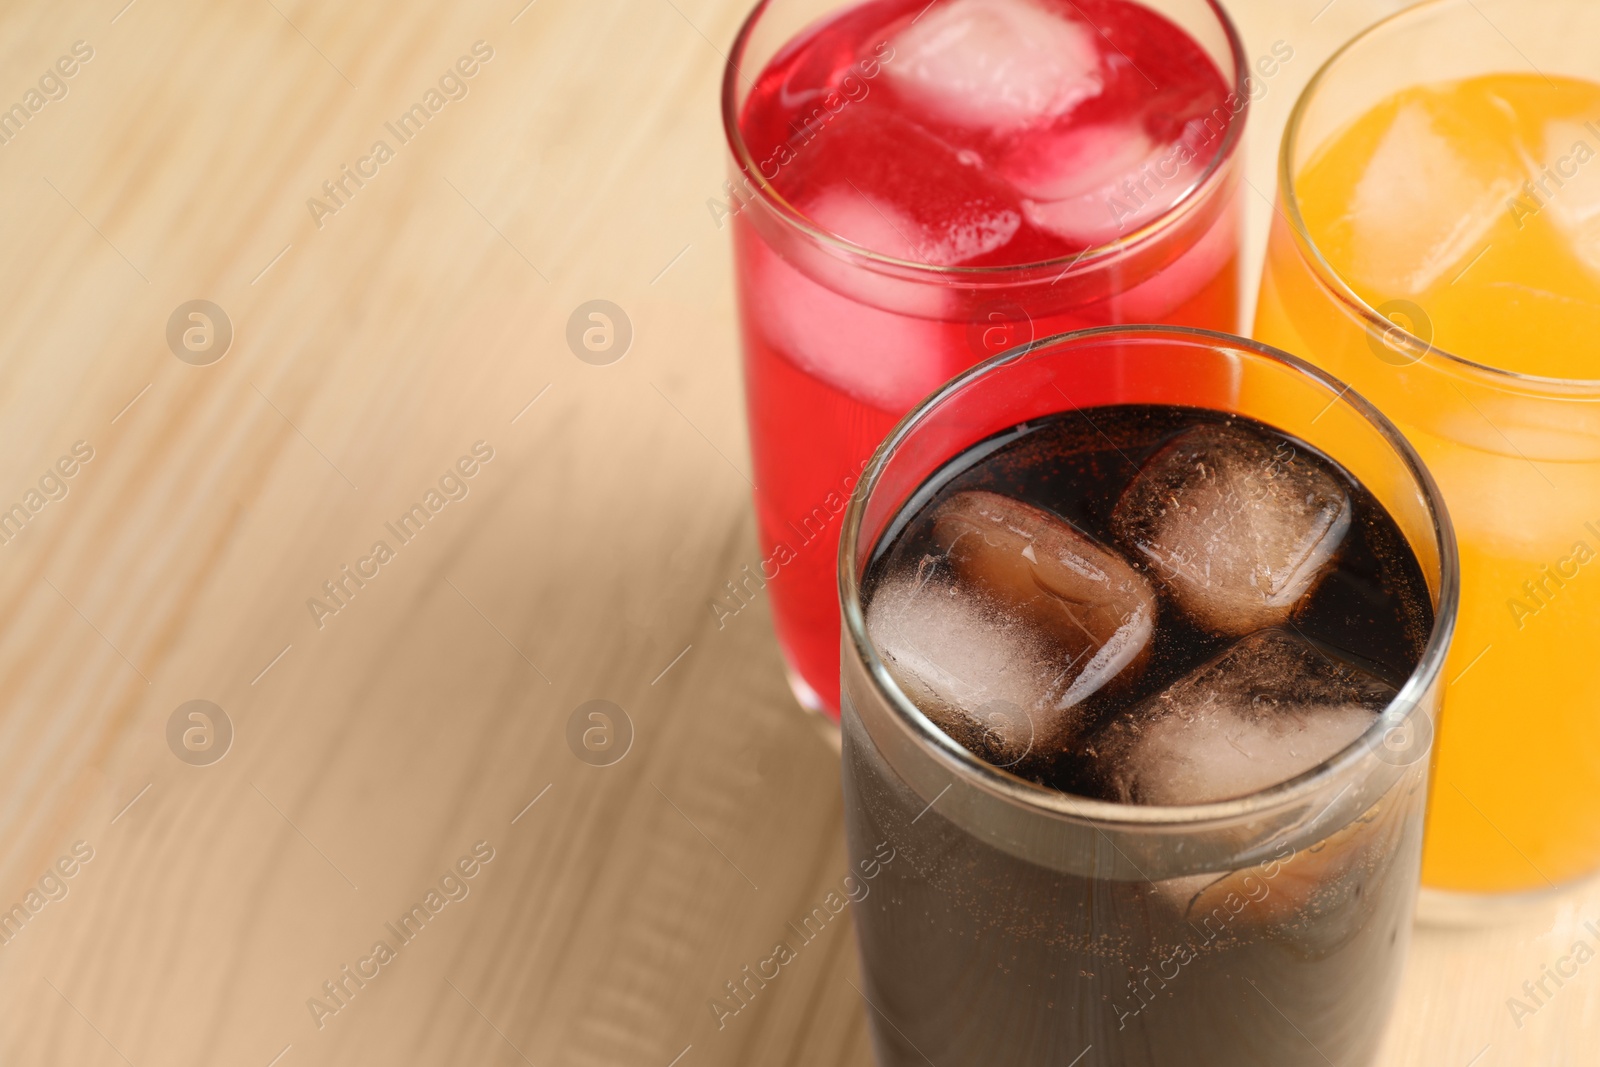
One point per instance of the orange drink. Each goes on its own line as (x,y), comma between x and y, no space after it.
(1438,247)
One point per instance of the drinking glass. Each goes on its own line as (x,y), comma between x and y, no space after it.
(1007,924)
(1515,804)
(892,330)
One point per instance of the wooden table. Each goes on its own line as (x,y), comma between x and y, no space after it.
(398,331)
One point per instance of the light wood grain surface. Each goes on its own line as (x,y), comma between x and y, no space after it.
(376,746)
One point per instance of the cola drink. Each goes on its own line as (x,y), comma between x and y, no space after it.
(1174,638)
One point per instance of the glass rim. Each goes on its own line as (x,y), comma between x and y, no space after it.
(1311,253)
(796,220)
(1040,799)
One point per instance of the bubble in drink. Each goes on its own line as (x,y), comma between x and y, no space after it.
(1237,527)
(1268,709)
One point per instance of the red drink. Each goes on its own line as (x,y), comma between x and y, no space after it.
(921,186)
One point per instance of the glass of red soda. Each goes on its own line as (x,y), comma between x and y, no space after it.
(918,186)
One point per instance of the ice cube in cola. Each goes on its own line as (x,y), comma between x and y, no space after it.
(1004,635)
(1236,526)
(1270,708)
(1025,558)
(980,673)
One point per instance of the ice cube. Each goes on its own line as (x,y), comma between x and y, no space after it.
(995,64)
(1098,609)
(1424,206)
(1237,528)
(861,220)
(981,675)
(1093,183)
(834,332)
(1269,708)
(1297,883)
(1575,207)
(877,224)
(1002,637)
(885,183)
